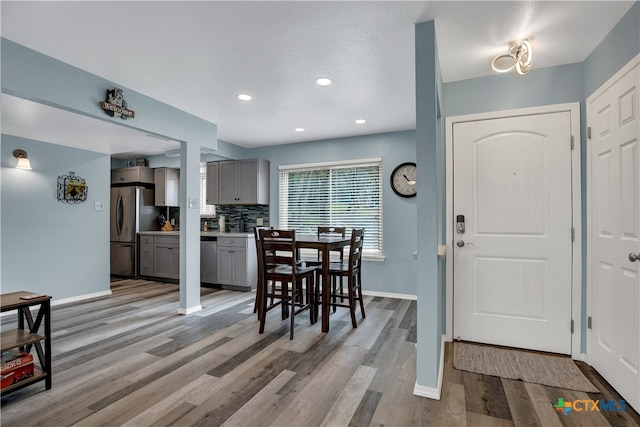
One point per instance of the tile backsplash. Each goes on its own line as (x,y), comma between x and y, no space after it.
(233,215)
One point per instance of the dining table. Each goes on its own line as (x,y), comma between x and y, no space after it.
(324,244)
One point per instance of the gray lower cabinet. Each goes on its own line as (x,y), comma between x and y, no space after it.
(146,255)
(166,257)
(237,263)
(160,256)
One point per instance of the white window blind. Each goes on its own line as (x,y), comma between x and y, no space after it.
(205,210)
(344,194)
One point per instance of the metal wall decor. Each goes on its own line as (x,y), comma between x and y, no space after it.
(72,188)
(115,105)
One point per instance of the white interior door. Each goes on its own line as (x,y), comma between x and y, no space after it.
(512,265)
(614,233)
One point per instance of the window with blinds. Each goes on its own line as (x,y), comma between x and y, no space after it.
(342,194)
(205,210)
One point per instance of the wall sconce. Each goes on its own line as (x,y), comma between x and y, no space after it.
(23,160)
(519,56)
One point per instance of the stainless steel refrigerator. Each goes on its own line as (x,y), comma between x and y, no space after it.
(132,211)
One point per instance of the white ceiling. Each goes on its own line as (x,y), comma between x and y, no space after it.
(197,56)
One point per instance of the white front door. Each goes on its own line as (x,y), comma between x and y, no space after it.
(512,265)
(614,232)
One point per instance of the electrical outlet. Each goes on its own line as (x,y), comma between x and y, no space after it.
(99,206)
(193,203)
(259,221)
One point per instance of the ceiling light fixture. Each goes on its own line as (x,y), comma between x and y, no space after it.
(244,97)
(299,129)
(23,159)
(323,81)
(518,56)
(361,121)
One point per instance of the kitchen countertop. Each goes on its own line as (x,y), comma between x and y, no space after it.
(202,233)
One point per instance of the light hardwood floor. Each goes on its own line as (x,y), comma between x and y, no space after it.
(129,360)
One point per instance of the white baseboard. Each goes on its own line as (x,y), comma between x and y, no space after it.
(390,295)
(55,302)
(62,301)
(432,392)
(190,309)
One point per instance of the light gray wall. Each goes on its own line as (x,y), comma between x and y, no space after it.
(397,274)
(48,246)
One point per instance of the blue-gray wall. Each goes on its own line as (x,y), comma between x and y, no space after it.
(48,246)
(553,85)
(616,49)
(397,273)
(31,75)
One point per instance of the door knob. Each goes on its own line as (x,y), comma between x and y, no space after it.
(462,244)
(634,257)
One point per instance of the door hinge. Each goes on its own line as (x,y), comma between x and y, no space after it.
(588,132)
(589,322)
(573,234)
(571,325)
(573,143)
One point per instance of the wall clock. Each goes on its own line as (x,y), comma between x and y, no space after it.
(403,180)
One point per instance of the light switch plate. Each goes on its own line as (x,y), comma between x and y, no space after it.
(193,203)
(99,206)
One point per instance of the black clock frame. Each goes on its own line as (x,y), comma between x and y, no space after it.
(394,173)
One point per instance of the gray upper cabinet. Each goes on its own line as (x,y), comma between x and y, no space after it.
(131,175)
(213,179)
(167,182)
(243,182)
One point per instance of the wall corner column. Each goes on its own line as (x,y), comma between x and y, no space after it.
(429,288)
(189,227)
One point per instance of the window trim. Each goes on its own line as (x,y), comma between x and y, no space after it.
(367,255)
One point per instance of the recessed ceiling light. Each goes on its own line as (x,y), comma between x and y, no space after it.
(361,121)
(323,81)
(244,97)
(299,129)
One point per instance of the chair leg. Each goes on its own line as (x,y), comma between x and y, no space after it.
(352,302)
(292,310)
(313,313)
(334,289)
(258,296)
(360,295)
(284,291)
(262,310)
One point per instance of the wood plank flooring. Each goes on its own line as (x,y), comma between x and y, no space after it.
(130,360)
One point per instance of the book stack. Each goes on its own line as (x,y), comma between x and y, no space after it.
(16,366)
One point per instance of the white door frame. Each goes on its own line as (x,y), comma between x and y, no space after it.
(576,286)
(619,74)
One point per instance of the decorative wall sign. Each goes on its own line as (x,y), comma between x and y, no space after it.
(115,105)
(72,188)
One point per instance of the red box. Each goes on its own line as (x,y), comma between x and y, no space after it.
(17,369)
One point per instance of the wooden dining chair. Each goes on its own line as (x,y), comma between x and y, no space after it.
(338,257)
(280,265)
(352,270)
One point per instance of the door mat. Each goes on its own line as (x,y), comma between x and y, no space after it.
(531,367)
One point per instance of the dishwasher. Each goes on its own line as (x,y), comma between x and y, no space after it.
(209,259)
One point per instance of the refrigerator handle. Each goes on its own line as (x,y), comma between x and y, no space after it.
(119,214)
